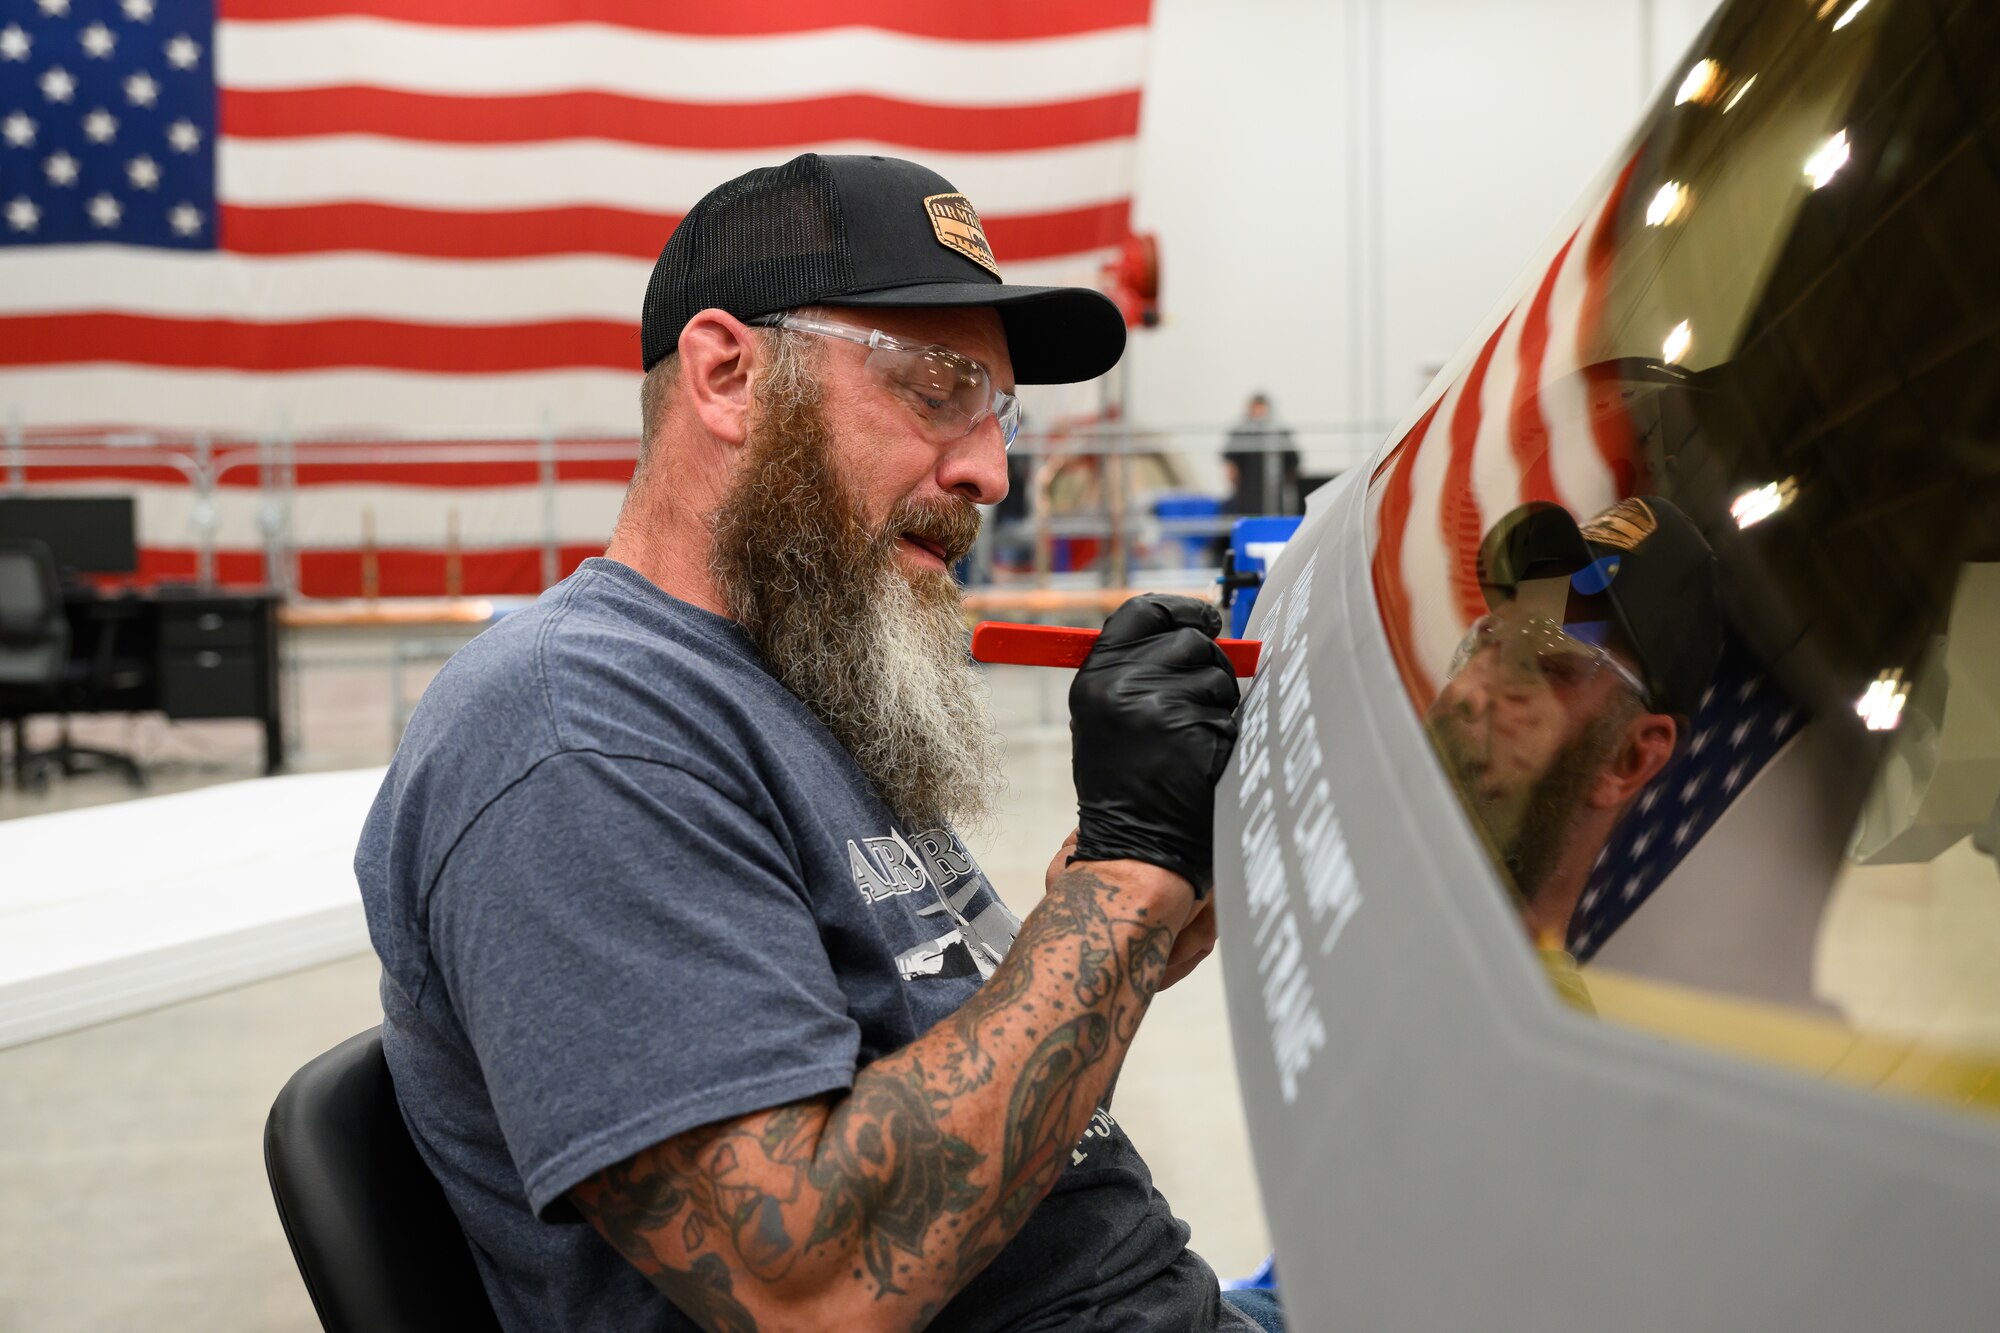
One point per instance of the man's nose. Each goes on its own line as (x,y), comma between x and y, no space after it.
(975,465)
(1468,693)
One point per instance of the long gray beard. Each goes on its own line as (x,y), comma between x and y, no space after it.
(1531,830)
(878,656)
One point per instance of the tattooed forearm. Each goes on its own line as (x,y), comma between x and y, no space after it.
(880,1204)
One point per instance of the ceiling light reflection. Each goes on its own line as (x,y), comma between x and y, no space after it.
(1754,506)
(1882,706)
(1828,159)
(1737,96)
(1668,205)
(1677,343)
(1700,83)
(1848,17)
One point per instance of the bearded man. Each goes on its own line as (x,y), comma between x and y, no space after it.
(695,1001)
(1571,693)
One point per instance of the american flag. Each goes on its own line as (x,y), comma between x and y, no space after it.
(314,215)
(281,219)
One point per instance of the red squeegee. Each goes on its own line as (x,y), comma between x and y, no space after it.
(1000,642)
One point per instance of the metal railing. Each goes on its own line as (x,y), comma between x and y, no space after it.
(1088,507)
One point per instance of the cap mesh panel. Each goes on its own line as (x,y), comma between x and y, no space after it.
(767,241)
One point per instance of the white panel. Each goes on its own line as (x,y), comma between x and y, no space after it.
(375,53)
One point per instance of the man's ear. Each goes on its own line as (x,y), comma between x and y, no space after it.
(1647,747)
(718,356)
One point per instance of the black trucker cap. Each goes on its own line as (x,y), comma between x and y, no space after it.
(864,231)
(1643,560)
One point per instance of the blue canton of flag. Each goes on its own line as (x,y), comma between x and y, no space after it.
(1744,721)
(107,123)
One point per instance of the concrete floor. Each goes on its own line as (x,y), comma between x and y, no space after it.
(131,1153)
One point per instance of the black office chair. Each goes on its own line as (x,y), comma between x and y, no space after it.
(37,674)
(375,1241)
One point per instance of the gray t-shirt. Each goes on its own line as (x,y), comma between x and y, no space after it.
(623,883)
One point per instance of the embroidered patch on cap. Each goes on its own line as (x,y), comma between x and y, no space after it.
(1623,526)
(957,227)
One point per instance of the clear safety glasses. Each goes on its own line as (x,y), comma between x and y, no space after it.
(951,392)
(1538,651)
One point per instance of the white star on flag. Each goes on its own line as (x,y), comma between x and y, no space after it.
(61,168)
(185,219)
(183,51)
(1742,730)
(183,137)
(58,84)
(55,8)
(1693,786)
(1649,800)
(1631,889)
(1684,831)
(141,89)
(143,172)
(139,11)
(1640,843)
(1734,777)
(104,210)
(1700,741)
(97,41)
(20,131)
(22,215)
(1589,901)
(14,43)
(100,126)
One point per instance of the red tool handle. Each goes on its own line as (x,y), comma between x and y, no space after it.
(1054,646)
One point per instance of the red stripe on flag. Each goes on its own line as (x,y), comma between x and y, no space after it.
(1017,20)
(1610,423)
(692,125)
(148,340)
(1392,594)
(1527,427)
(320,228)
(1459,519)
(456,475)
(489,572)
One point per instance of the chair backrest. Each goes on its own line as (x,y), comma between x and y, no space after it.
(34,630)
(375,1241)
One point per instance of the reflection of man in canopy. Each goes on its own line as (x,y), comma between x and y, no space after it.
(1569,695)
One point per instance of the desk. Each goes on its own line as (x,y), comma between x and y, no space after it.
(187,654)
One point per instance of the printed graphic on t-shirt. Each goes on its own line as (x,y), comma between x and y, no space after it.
(936,862)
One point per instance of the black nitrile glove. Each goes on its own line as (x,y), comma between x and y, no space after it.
(1152,719)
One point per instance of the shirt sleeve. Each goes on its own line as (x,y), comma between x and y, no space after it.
(631,954)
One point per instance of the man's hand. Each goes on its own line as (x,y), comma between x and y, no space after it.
(1152,724)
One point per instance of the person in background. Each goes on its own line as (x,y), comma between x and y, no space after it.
(1261,464)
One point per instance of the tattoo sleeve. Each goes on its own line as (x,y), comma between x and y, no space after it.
(873,1208)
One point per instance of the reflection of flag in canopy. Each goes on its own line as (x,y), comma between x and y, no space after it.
(1537,415)
(441,213)
(1745,718)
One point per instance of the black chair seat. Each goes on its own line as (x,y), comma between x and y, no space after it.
(375,1241)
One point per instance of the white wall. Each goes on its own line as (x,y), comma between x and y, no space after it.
(1342,188)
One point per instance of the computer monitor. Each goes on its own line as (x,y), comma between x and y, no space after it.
(89,534)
